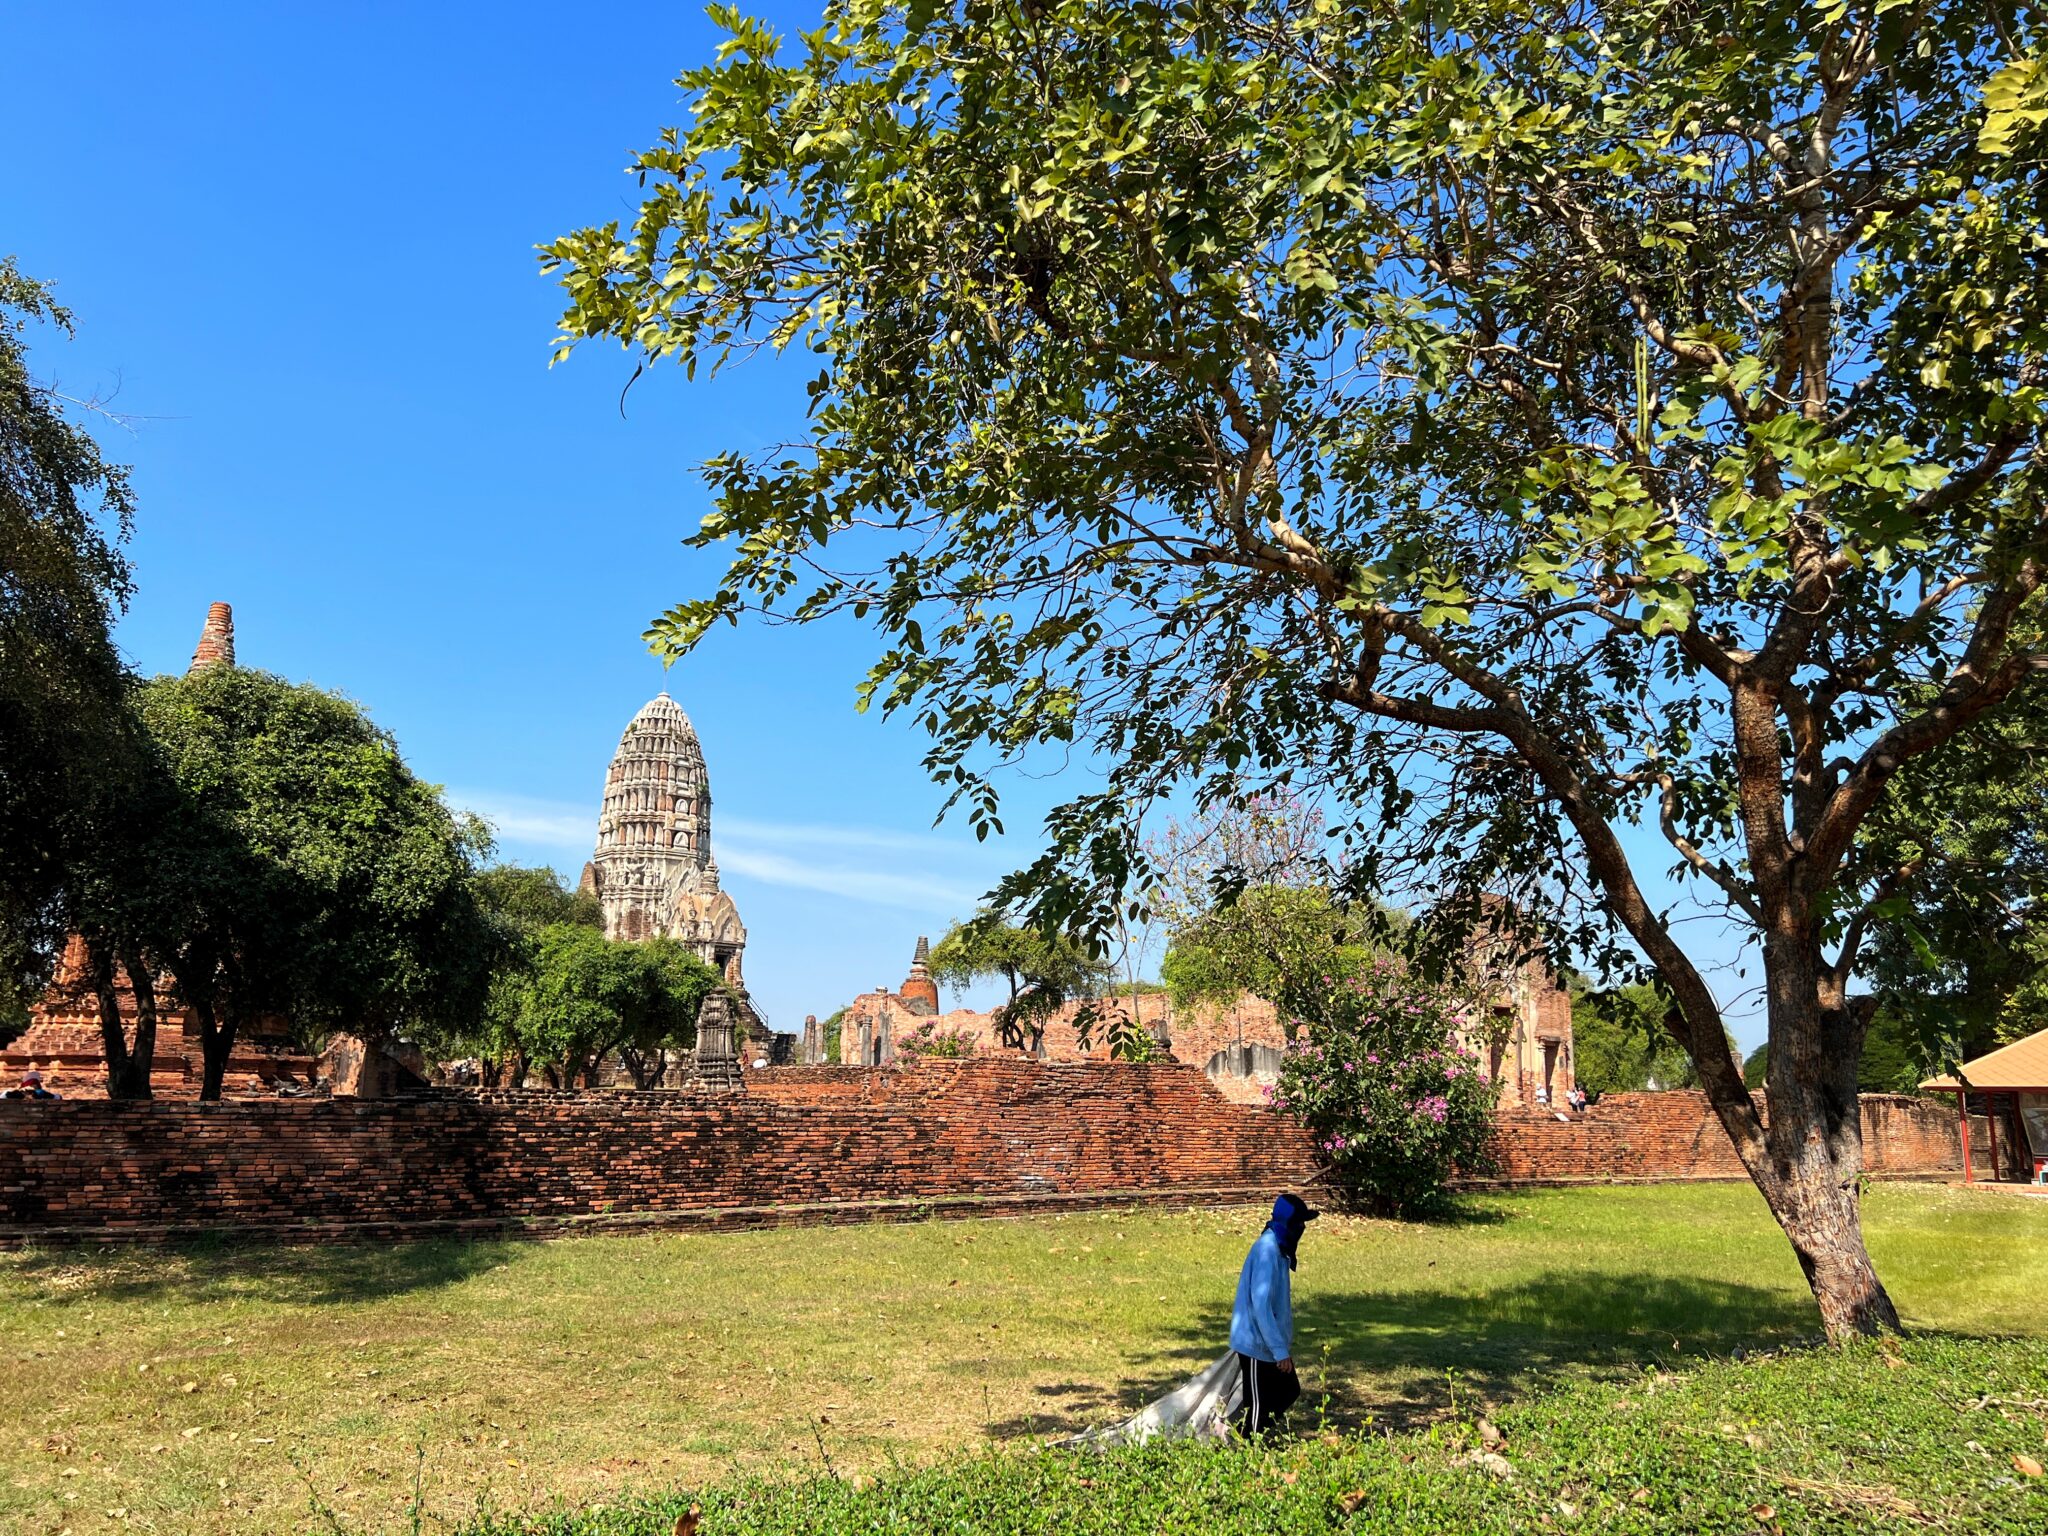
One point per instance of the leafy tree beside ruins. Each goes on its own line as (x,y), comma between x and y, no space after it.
(1621,1044)
(1962,966)
(272,856)
(1518,422)
(257,848)
(64,513)
(1044,972)
(527,899)
(1250,901)
(584,997)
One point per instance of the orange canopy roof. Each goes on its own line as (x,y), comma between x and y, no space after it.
(2023,1064)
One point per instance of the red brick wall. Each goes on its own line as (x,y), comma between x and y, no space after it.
(1022,1135)
(802,1145)
(1668,1136)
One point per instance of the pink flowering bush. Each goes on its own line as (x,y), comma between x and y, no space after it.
(930,1040)
(1395,1100)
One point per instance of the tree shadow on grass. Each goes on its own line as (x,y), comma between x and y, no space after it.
(1395,1359)
(207,1270)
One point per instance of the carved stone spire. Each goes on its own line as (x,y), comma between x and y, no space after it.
(715,1062)
(652,871)
(216,640)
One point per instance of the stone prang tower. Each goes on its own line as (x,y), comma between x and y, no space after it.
(653,872)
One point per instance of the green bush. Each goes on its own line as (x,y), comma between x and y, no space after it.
(1395,1099)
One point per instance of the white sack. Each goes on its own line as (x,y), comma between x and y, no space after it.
(1200,1406)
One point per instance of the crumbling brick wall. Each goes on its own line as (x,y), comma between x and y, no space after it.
(1021,1134)
(802,1145)
(1669,1136)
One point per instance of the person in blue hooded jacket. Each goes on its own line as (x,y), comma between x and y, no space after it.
(1262,1319)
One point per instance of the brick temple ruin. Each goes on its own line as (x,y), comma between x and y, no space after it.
(1525,1044)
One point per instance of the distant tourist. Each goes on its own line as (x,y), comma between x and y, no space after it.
(31,1088)
(1262,1320)
(1577,1099)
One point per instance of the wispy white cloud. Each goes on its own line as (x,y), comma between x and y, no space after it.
(887,888)
(796,834)
(523,818)
(911,871)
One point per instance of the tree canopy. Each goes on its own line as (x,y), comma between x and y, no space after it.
(582,997)
(530,899)
(274,856)
(65,511)
(1518,420)
(1620,1043)
(1960,963)
(1044,972)
(1278,942)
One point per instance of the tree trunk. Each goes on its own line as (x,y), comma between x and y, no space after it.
(216,1042)
(1822,1215)
(99,972)
(1808,1165)
(132,1080)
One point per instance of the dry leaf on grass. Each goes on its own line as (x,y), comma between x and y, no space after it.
(1351,1503)
(1762,1512)
(1492,1461)
(2026,1466)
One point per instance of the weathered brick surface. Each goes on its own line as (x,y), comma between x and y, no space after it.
(1669,1136)
(1022,1134)
(802,1145)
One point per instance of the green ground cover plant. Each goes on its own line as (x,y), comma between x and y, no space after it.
(590,1370)
(1930,1434)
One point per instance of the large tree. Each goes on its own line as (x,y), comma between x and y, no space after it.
(278,859)
(64,513)
(1044,973)
(1962,965)
(582,996)
(1517,420)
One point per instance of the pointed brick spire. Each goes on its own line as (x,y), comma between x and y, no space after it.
(919,992)
(216,640)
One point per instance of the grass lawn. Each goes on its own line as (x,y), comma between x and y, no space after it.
(205,1390)
(1939,1433)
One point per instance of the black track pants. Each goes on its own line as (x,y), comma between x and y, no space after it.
(1268,1393)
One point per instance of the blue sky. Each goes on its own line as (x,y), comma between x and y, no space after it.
(299,245)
